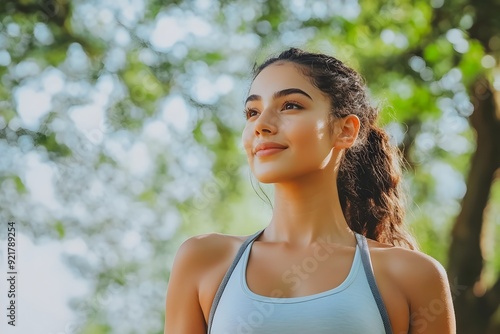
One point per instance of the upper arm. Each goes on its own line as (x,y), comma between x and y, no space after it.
(183,310)
(429,294)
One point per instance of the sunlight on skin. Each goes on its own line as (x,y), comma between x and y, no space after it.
(327,159)
(321,134)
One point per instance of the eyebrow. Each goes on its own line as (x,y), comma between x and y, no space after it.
(279,94)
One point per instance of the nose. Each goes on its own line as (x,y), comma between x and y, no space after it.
(266,123)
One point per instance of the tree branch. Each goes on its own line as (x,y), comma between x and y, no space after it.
(465,257)
(492,296)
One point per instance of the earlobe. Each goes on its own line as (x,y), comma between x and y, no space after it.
(348,128)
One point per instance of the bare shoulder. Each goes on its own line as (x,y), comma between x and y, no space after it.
(411,269)
(408,266)
(424,283)
(202,251)
(199,264)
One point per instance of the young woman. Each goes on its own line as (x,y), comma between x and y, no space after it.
(335,257)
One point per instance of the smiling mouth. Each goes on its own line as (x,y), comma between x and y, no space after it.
(269,151)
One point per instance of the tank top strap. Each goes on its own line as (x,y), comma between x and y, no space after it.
(224,281)
(367,266)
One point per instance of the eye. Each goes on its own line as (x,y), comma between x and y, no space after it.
(291,105)
(249,113)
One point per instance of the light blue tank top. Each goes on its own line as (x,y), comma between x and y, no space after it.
(355,306)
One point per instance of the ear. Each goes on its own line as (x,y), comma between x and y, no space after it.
(348,129)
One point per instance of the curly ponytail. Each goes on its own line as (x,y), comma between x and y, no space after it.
(370,190)
(369,178)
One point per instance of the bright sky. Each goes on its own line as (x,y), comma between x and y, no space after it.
(44,287)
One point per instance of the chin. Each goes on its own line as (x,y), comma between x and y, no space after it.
(267,176)
(272,176)
(267,179)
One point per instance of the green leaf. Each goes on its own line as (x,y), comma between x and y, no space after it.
(95,328)
(19,185)
(52,145)
(59,227)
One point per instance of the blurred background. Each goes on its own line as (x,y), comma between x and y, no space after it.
(120,126)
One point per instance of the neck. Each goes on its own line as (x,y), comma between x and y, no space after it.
(308,209)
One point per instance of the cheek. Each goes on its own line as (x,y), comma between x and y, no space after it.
(313,146)
(247,139)
(312,136)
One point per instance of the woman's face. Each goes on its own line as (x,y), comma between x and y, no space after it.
(287,132)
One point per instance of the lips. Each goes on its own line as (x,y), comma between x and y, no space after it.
(268,148)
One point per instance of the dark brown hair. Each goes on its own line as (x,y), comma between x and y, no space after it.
(369,177)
